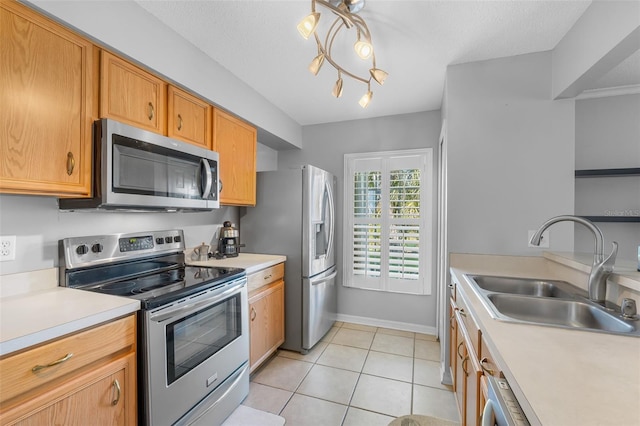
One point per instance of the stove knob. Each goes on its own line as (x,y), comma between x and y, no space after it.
(82,249)
(96,248)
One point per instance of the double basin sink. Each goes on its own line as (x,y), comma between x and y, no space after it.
(548,302)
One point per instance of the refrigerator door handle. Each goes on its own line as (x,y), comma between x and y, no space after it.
(332,215)
(325,279)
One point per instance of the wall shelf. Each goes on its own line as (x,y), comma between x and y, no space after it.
(618,219)
(630,171)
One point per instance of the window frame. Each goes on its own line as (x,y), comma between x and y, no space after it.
(421,286)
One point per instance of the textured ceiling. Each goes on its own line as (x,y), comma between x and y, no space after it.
(414,41)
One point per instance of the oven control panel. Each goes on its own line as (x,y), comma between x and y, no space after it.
(78,252)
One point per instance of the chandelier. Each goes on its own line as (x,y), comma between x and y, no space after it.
(345,11)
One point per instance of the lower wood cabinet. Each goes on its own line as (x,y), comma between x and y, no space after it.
(85,378)
(470,359)
(266,315)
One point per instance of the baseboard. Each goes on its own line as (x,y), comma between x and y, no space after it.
(396,325)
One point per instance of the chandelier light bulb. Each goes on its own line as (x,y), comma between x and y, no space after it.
(337,89)
(308,25)
(378,75)
(316,64)
(363,49)
(365,99)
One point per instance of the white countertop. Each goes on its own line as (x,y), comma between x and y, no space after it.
(250,262)
(560,376)
(33,309)
(43,312)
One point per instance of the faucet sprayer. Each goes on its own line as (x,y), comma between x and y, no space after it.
(601,267)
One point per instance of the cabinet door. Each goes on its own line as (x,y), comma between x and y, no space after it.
(131,95)
(46,101)
(258,332)
(189,118)
(460,374)
(453,341)
(106,396)
(473,372)
(236,143)
(266,322)
(275,309)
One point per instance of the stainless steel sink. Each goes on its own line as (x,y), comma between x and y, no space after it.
(525,286)
(558,312)
(550,303)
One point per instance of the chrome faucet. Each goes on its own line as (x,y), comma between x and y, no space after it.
(601,267)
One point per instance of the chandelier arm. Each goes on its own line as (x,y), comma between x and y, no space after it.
(362,26)
(326,49)
(348,18)
(340,69)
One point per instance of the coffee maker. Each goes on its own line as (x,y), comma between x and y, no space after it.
(228,241)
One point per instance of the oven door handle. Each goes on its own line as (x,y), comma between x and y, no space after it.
(183,310)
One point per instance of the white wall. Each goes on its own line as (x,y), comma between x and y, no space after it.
(608,136)
(606,34)
(510,155)
(38,225)
(126,27)
(324,145)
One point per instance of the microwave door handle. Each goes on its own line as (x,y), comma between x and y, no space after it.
(204,164)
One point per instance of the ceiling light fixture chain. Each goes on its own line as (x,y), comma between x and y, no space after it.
(345,10)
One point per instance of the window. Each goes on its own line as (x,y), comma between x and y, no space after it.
(388,221)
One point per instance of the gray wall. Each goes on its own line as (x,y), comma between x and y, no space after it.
(38,225)
(608,136)
(324,145)
(510,155)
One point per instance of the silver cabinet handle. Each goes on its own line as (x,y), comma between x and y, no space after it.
(116,389)
(51,364)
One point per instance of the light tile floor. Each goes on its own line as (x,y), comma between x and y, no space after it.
(357,375)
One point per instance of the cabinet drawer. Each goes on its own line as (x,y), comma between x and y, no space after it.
(265,276)
(34,368)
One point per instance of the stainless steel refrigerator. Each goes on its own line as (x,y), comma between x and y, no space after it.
(295,216)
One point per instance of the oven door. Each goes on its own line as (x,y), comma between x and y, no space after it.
(141,168)
(190,348)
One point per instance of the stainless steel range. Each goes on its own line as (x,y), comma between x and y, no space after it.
(193,346)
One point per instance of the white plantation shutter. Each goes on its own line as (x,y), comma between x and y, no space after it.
(388,206)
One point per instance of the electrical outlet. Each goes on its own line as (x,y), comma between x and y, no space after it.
(7,248)
(544,241)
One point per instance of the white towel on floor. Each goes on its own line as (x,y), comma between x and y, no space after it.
(247,416)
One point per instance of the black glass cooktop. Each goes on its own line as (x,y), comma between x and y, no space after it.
(153,282)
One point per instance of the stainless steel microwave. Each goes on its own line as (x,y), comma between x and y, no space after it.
(134,169)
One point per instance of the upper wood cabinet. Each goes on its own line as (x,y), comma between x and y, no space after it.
(189,118)
(47,105)
(131,95)
(236,142)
